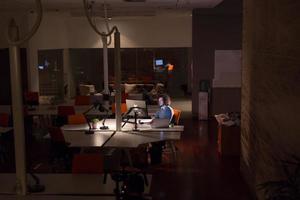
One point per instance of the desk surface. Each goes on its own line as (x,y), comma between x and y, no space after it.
(106,139)
(111,123)
(52,110)
(62,184)
(74,134)
(5,129)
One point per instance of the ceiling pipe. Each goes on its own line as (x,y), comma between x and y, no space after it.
(117,68)
(17,96)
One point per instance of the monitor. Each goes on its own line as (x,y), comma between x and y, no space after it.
(159,62)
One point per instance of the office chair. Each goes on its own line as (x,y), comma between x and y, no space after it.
(77,119)
(59,148)
(82,100)
(4,119)
(62,114)
(176,116)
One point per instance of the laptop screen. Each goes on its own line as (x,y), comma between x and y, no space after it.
(137,103)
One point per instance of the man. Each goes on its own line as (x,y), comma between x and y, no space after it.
(165,111)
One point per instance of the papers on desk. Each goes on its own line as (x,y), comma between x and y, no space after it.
(225,119)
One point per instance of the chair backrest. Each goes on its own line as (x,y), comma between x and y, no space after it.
(77,119)
(123,108)
(4,119)
(32,98)
(82,100)
(176,116)
(65,110)
(56,135)
(87,163)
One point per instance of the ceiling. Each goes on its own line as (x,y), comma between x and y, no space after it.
(115,7)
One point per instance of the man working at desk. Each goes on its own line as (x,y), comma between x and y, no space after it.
(166,111)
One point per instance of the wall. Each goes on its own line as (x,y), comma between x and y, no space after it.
(219,28)
(60,30)
(270,88)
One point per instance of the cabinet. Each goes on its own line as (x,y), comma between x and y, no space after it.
(229,140)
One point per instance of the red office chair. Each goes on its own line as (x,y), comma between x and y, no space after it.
(4,119)
(87,163)
(65,110)
(59,149)
(32,98)
(56,135)
(82,100)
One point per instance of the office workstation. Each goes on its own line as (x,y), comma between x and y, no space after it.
(149,99)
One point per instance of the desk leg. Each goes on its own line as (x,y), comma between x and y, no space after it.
(173,149)
(129,157)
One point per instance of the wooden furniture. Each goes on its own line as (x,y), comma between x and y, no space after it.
(229,136)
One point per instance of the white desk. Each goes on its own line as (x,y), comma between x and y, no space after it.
(63,184)
(5,129)
(74,134)
(111,123)
(118,140)
(52,110)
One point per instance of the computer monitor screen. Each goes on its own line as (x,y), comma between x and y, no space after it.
(159,62)
(139,104)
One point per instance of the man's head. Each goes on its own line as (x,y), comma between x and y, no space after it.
(164,99)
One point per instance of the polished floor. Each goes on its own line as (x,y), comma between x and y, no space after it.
(199,172)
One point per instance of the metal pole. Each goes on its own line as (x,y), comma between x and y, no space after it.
(17,108)
(105,65)
(118,80)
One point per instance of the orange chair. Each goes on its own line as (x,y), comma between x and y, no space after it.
(176,116)
(65,110)
(123,108)
(124,96)
(82,100)
(4,119)
(87,163)
(77,119)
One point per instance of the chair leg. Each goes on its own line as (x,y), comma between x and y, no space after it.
(173,149)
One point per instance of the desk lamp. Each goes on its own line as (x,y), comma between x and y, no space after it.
(136,110)
(90,131)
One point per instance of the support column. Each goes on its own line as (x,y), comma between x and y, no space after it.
(68,75)
(105,65)
(17,110)
(118,80)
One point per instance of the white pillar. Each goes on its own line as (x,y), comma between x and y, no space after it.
(17,108)
(68,75)
(105,65)
(118,80)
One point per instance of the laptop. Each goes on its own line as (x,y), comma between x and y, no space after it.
(160,123)
(143,113)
